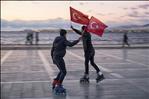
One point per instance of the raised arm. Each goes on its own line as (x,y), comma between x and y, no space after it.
(77,31)
(70,44)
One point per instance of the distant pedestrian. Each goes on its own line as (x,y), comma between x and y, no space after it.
(29,38)
(36,38)
(125,40)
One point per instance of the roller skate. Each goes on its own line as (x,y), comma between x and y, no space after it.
(84,79)
(59,90)
(99,78)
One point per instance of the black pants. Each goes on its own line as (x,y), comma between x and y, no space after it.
(59,61)
(89,56)
(125,42)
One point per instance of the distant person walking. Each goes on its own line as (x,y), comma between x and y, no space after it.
(125,40)
(36,38)
(29,38)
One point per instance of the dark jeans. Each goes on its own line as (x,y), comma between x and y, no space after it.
(89,56)
(59,61)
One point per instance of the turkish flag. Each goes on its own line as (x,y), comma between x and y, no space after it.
(78,17)
(96,26)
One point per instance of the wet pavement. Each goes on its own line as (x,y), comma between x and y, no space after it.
(27,74)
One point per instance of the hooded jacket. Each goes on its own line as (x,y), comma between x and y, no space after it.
(59,46)
(87,43)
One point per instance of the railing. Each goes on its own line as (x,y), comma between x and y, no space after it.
(47,38)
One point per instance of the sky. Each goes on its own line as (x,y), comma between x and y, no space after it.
(110,12)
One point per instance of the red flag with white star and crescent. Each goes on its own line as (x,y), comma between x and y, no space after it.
(78,17)
(96,26)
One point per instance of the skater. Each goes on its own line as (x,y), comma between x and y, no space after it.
(58,52)
(89,54)
(125,40)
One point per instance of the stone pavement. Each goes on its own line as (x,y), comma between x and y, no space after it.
(27,74)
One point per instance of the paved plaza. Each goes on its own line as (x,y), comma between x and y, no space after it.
(27,74)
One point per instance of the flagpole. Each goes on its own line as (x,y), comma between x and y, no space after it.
(70,17)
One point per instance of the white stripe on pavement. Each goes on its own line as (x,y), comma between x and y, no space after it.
(104,69)
(114,74)
(140,54)
(81,58)
(47,66)
(10,82)
(6,56)
(117,57)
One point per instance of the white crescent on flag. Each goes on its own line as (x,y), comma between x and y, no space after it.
(94,25)
(75,16)
(78,17)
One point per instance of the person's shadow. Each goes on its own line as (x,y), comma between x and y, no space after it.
(59,96)
(86,90)
(91,90)
(125,54)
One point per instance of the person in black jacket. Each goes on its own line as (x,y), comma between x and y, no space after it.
(89,54)
(36,38)
(58,52)
(125,40)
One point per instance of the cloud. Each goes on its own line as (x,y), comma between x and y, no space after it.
(136,14)
(106,14)
(52,23)
(101,14)
(81,3)
(145,20)
(35,2)
(147,13)
(140,21)
(134,8)
(125,8)
(110,13)
(102,3)
(138,7)
(144,6)
(133,14)
(89,11)
(57,23)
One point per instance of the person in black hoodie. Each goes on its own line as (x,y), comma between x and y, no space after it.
(58,51)
(125,40)
(89,54)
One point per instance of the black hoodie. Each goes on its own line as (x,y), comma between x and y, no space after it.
(59,46)
(87,43)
